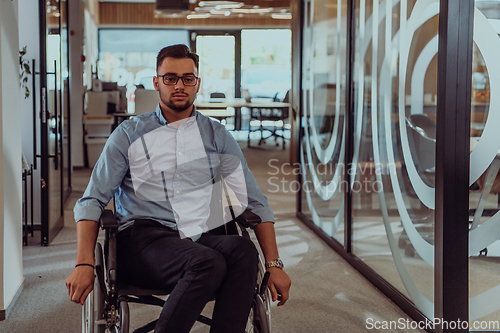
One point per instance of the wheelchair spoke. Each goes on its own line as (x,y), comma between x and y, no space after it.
(250,323)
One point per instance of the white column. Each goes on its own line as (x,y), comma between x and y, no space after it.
(11,275)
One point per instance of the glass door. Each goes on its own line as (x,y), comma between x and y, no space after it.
(64,118)
(220,66)
(54,113)
(217,64)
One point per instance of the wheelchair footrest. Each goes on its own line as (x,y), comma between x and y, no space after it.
(148,300)
(151,326)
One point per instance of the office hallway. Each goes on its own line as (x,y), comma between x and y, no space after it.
(327,294)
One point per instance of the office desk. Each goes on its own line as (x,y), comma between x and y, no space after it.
(219,114)
(237,104)
(240,103)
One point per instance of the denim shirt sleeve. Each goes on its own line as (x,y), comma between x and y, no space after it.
(106,177)
(257,202)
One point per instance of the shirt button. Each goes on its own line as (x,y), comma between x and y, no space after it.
(179,153)
(177,176)
(176,191)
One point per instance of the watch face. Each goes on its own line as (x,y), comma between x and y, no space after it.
(275,263)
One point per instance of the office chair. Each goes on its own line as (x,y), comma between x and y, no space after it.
(422,135)
(421,132)
(276,116)
(217,95)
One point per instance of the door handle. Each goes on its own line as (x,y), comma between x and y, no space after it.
(56,117)
(33,84)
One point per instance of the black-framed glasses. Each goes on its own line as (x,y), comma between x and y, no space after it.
(171,80)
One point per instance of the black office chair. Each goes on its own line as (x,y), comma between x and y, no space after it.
(422,139)
(217,95)
(276,117)
(421,132)
(106,309)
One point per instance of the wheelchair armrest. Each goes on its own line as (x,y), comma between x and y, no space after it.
(108,220)
(247,218)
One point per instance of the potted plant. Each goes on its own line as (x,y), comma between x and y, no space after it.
(24,67)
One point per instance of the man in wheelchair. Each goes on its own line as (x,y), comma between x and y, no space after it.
(162,168)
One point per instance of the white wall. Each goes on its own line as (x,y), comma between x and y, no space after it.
(11,275)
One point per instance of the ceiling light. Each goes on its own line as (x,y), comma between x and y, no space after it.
(236,5)
(260,10)
(197,16)
(251,10)
(282,16)
(241,10)
(221,4)
(217,12)
(220,12)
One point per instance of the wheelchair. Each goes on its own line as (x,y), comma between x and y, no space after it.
(106,309)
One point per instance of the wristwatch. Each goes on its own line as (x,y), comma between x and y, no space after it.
(275,263)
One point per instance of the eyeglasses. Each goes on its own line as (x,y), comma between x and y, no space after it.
(171,80)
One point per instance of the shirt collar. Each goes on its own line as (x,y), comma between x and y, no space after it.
(163,121)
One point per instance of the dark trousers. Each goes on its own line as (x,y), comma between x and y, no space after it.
(155,257)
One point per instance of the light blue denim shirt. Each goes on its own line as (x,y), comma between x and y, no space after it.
(111,175)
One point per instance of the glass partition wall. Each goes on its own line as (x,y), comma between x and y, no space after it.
(52,89)
(388,89)
(484,235)
(395,77)
(323,121)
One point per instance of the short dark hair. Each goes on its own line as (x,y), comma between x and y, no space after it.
(177,51)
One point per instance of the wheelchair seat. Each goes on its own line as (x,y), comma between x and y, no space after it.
(106,309)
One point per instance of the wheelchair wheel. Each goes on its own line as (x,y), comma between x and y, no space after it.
(124,317)
(259,320)
(88,314)
(93,317)
(98,293)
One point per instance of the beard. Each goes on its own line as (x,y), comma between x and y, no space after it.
(177,107)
